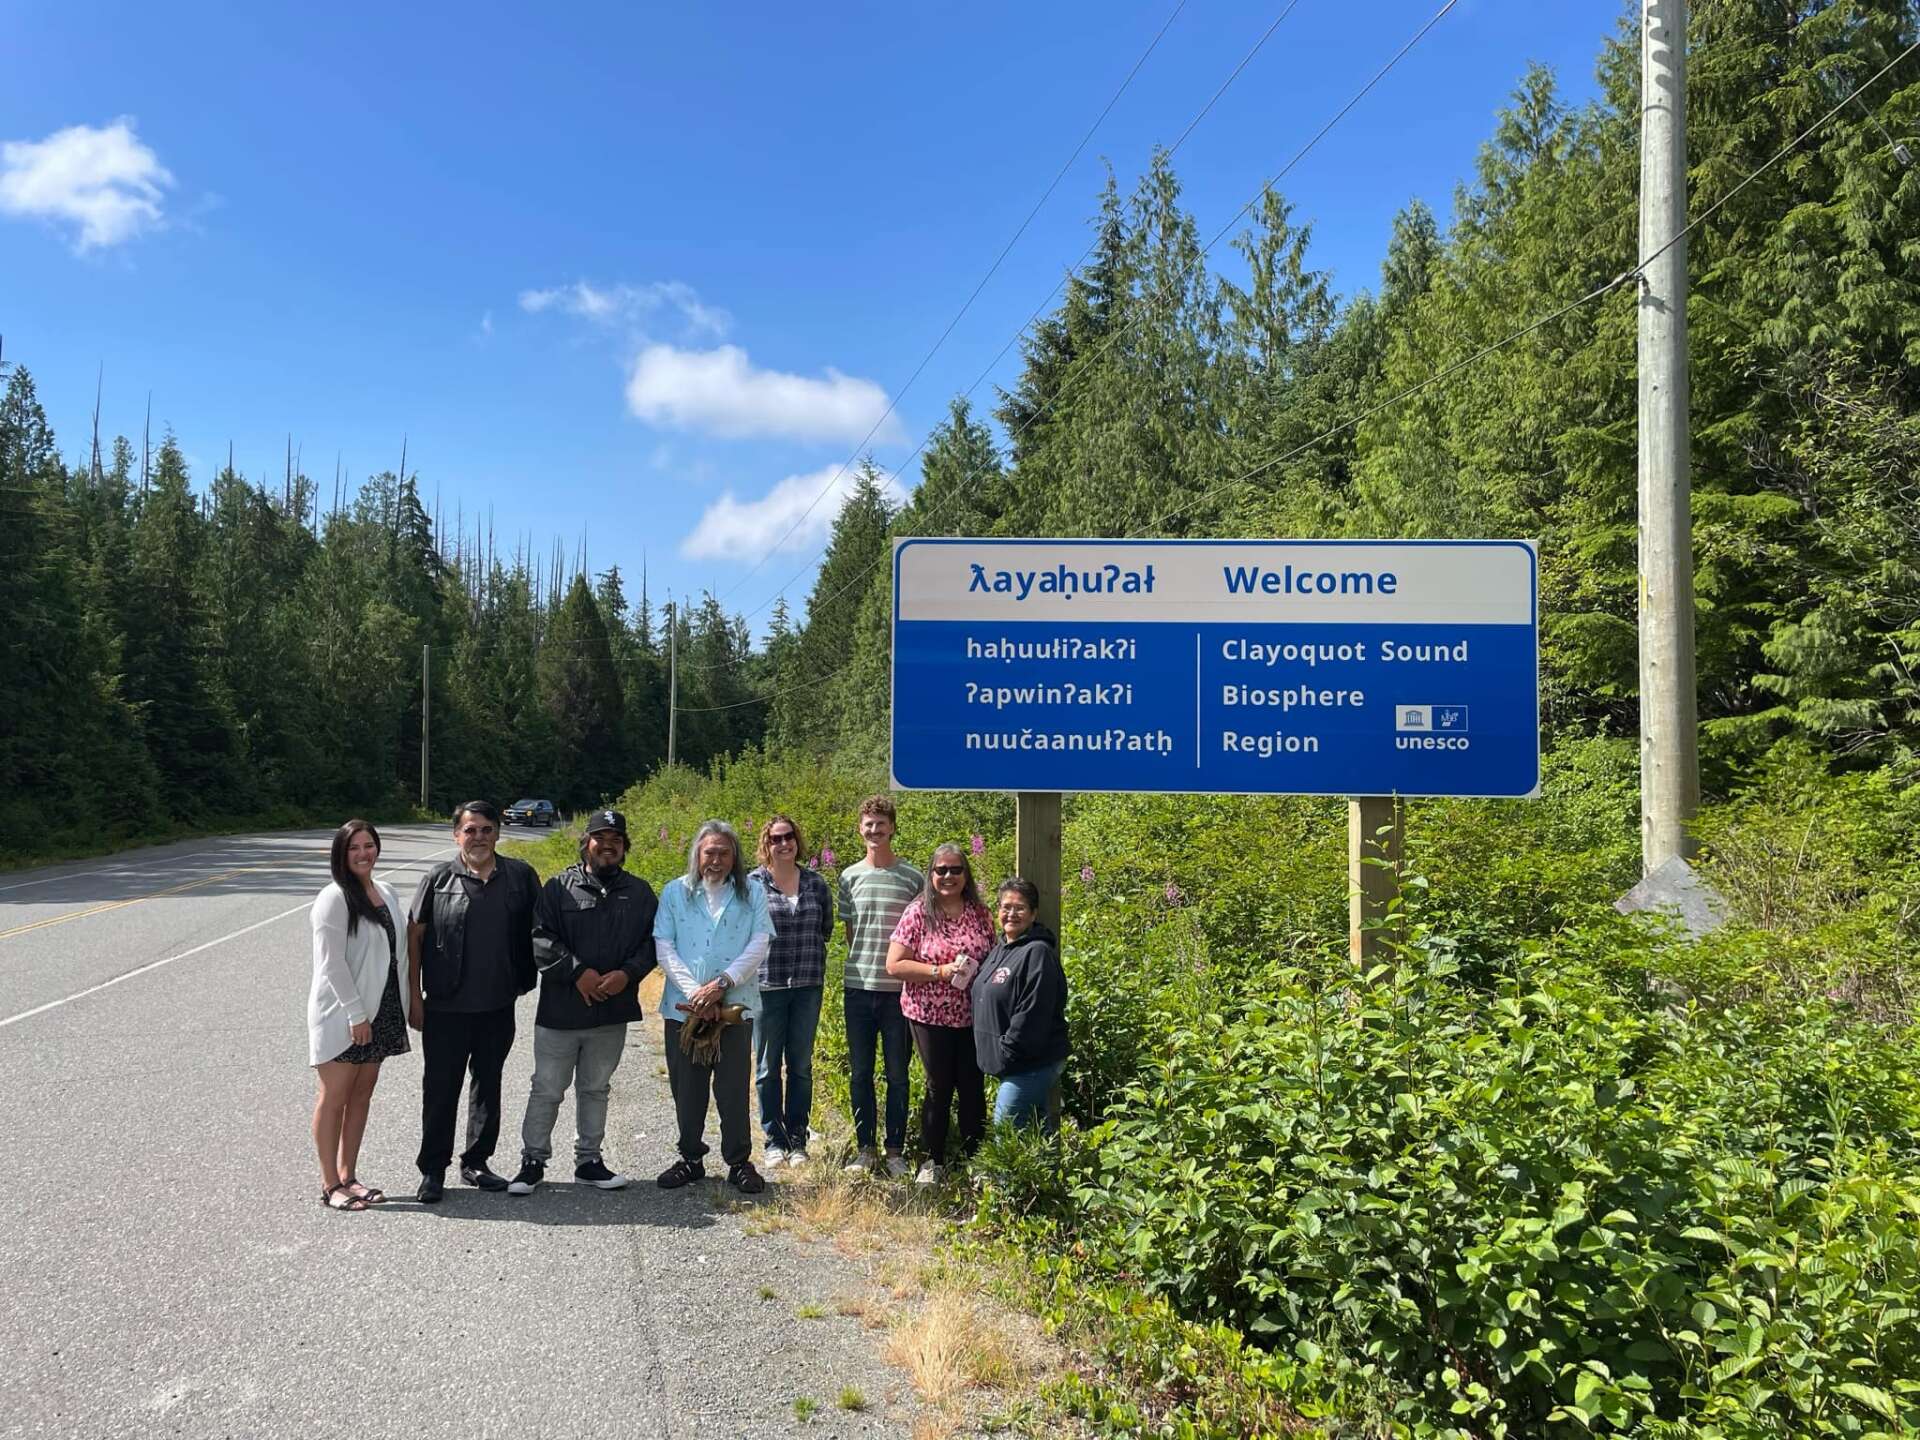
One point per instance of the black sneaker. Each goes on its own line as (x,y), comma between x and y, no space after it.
(433,1189)
(744,1178)
(597,1175)
(681,1172)
(481,1178)
(532,1172)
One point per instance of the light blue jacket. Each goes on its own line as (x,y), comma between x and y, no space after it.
(694,946)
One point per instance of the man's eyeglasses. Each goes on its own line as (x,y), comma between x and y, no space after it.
(948,870)
(784,838)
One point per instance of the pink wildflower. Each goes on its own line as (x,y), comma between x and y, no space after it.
(1086,874)
(978,845)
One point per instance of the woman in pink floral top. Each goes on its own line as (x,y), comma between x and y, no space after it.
(936,949)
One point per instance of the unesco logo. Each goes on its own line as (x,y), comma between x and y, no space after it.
(1430,719)
(1430,727)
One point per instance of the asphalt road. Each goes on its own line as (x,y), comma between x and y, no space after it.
(166,1266)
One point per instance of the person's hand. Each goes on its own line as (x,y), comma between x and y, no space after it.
(611,984)
(360,1034)
(587,982)
(416,1014)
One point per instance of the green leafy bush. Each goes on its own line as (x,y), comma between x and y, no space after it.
(1550,1171)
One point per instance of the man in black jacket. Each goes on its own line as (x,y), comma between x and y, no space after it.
(593,942)
(471,936)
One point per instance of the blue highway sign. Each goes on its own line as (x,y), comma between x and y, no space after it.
(1279,667)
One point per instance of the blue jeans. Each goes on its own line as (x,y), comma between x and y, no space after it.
(1023,1096)
(874,1022)
(783,1034)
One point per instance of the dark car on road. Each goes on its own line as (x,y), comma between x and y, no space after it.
(531,812)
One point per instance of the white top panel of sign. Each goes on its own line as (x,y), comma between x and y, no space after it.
(1401,582)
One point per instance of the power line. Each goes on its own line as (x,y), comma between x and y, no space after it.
(1545,320)
(1484,352)
(1081,365)
(1298,155)
(992,270)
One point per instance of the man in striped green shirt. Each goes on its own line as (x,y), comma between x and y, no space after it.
(873,894)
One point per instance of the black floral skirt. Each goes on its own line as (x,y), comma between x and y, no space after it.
(389,1029)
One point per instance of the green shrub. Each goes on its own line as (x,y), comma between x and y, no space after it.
(1551,1171)
(1488,1214)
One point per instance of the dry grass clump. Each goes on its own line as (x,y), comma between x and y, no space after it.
(953,1344)
(857,1217)
(962,1349)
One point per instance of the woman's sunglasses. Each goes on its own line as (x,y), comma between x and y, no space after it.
(949,870)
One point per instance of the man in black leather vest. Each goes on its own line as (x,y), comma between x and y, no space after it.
(471,934)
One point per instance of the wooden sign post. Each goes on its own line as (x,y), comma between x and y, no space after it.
(1373,873)
(1036,848)
(1036,856)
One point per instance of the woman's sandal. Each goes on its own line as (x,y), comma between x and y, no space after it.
(352,1202)
(372,1194)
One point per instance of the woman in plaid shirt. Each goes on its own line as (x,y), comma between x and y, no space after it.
(791,982)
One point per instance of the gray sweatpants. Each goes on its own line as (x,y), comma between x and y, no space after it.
(586,1059)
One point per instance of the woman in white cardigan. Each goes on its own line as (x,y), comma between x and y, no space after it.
(355,1016)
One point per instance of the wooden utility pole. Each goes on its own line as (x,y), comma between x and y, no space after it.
(1669,721)
(426,719)
(673,679)
(1373,873)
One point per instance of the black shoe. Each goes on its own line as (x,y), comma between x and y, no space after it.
(744,1178)
(433,1189)
(681,1172)
(480,1177)
(596,1174)
(532,1172)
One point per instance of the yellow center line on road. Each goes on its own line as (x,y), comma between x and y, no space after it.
(122,904)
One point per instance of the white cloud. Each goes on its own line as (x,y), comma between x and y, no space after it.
(486,322)
(735,529)
(103,182)
(614,304)
(720,391)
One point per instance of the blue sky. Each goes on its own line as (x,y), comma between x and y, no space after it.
(651,272)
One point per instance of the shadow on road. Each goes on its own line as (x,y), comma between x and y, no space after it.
(566,1206)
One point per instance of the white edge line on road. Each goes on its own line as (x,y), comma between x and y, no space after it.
(183,955)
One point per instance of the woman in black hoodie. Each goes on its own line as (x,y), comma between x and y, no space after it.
(1020,1008)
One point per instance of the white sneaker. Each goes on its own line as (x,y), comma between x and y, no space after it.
(775,1157)
(896,1164)
(930,1174)
(862,1163)
(796,1158)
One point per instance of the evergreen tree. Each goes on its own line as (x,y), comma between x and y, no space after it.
(170,676)
(584,701)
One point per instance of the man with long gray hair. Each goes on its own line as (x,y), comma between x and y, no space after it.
(711,934)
